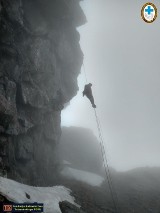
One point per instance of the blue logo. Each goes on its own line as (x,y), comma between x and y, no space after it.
(149,12)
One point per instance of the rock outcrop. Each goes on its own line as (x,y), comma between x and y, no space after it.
(40,59)
(67,207)
(79,148)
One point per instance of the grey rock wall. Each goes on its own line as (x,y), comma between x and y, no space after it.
(40,59)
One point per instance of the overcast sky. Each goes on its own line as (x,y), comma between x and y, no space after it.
(122,60)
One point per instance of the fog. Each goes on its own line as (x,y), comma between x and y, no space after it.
(121,58)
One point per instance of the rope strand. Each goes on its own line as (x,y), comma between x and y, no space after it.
(104,157)
(106,166)
(85,74)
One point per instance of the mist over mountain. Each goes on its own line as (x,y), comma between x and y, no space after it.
(137,190)
(80,147)
(40,61)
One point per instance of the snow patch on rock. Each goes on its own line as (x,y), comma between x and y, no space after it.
(49,196)
(87,177)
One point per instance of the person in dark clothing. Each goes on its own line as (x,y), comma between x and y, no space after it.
(88,93)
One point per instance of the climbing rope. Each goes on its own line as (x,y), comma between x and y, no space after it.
(104,158)
(106,165)
(85,74)
(102,147)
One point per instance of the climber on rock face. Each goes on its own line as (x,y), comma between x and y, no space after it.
(88,93)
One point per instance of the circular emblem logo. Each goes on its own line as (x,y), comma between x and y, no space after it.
(149,12)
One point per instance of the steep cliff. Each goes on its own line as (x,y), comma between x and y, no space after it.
(40,59)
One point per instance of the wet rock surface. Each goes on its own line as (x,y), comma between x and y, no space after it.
(40,59)
(67,207)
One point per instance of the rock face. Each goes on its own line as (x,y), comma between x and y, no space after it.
(40,59)
(67,207)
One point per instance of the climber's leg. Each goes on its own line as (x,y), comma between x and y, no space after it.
(92,101)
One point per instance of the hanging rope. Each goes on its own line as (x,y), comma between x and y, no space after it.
(102,147)
(85,74)
(112,190)
(106,166)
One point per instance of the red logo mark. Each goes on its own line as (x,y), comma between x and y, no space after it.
(7,208)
